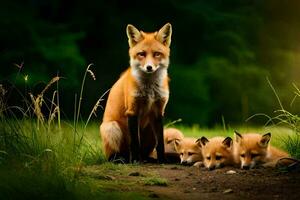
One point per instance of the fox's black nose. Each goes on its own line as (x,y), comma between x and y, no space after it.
(211,167)
(246,167)
(184,162)
(149,68)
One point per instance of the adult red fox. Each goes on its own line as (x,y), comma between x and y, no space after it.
(133,118)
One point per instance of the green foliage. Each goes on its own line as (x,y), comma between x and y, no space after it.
(292,121)
(292,145)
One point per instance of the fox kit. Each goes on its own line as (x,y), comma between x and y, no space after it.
(253,149)
(170,136)
(189,151)
(216,152)
(133,118)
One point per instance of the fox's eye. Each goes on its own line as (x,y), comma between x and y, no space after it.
(157,54)
(141,54)
(190,153)
(218,157)
(208,158)
(253,155)
(243,155)
(169,141)
(181,154)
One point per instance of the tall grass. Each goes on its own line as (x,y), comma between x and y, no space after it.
(40,156)
(283,118)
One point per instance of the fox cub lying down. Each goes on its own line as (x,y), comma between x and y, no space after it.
(217,152)
(189,151)
(253,149)
(246,151)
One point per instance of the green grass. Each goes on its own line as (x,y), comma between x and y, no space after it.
(155,181)
(16,184)
(50,164)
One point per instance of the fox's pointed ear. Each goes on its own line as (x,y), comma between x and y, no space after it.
(177,144)
(203,140)
(198,142)
(133,34)
(265,139)
(164,34)
(238,137)
(227,142)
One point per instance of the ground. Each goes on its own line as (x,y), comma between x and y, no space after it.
(188,182)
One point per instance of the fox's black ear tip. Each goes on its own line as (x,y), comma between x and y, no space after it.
(228,138)
(203,140)
(268,134)
(227,141)
(236,132)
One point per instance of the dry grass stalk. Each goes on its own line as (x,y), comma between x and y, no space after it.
(53,80)
(2,102)
(38,102)
(37,105)
(53,115)
(92,74)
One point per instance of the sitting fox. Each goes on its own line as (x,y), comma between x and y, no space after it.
(133,118)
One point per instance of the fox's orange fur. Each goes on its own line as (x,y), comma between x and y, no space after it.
(216,152)
(253,149)
(170,136)
(140,95)
(189,151)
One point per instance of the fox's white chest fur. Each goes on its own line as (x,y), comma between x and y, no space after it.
(150,87)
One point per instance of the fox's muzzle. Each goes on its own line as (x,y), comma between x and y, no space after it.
(149,68)
(246,167)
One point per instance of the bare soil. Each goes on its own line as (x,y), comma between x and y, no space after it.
(184,182)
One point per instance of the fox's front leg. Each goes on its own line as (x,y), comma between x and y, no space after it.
(133,126)
(159,129)
(160,147)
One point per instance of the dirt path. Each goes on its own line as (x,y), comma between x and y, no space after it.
(193,183)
